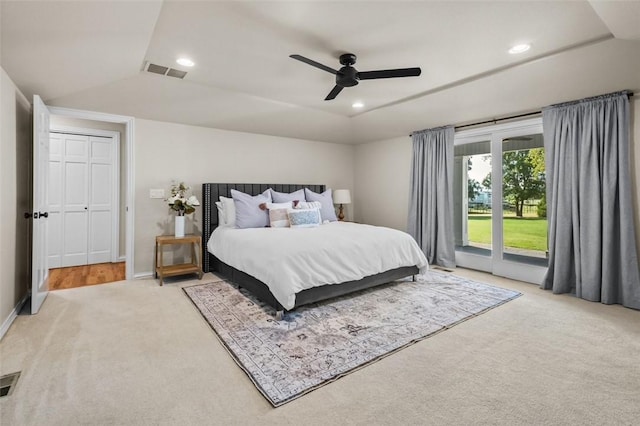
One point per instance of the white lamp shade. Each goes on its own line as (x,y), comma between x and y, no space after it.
(341,196)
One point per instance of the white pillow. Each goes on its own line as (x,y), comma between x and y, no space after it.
(221,216)
(287,205)
(229,210)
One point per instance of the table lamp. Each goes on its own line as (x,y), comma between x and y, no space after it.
(341,196)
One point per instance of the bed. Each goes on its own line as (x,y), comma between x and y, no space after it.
(227,243)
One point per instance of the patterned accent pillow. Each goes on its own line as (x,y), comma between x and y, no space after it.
(278,217)
(308,205)
(304,218)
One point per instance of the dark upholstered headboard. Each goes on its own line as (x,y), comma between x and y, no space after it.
(210,194)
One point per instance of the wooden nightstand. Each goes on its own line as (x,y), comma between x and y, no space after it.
(194,267)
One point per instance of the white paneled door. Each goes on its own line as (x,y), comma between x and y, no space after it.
(39,267)
(82,198)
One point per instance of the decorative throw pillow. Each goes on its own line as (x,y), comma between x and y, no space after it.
(308,205)
(304,218)
(248,212)
(278,217)
(282,197)
(328,212)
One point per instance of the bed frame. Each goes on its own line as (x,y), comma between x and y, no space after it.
(210,194)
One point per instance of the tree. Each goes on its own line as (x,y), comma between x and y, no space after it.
(473,189)
(537,159)
(523,176)
(486,182)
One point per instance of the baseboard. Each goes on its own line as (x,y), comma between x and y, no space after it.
(122,259)
(12,316)
(142,275)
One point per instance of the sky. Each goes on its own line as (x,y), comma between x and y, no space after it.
(480,167)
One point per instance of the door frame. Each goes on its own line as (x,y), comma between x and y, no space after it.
(496,264)
(129,123)
(115,165)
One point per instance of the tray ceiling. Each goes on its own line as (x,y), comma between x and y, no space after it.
(91,55)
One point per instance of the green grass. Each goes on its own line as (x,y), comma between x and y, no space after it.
(529,233)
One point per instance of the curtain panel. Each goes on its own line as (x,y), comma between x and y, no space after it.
(430,220)
(592,247)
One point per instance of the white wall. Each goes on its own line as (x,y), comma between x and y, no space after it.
(382,171)
(15,193)
(195,155)
(383,168)
(57,120)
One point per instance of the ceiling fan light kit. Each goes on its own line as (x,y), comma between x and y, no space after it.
(348,76)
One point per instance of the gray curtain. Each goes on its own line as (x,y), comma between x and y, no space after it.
(592,247)
(431,197)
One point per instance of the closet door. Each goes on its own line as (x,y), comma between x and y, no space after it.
(83,181)
(100,199)
(75,196)
(56,159)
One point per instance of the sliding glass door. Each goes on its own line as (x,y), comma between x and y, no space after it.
(500,207)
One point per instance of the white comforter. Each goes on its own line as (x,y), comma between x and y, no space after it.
(291,260)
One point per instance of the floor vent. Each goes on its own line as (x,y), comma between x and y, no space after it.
(162,70)
(8,383)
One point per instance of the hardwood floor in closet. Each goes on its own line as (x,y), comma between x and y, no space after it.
(86,275)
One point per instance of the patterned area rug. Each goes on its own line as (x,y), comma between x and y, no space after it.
(316,344)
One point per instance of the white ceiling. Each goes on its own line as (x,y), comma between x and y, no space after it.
(90,55)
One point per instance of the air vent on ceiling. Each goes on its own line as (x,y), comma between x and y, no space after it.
(176,73)
(162,70)
(8,383)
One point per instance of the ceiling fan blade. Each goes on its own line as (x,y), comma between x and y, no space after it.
(314,63)
(401,72)
(334,93)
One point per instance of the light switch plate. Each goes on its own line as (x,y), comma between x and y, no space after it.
(156,193)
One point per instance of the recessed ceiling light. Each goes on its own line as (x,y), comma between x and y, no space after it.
(185,62)
(519,48)
(357,104)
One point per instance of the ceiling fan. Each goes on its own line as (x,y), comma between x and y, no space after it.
(348,76)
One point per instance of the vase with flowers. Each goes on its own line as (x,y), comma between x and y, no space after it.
(183,203)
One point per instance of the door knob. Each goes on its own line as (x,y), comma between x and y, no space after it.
(27,215)
(45,214)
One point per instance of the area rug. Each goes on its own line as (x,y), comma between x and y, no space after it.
(319,343)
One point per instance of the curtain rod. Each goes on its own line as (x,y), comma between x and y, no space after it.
(511,117)
(495,120)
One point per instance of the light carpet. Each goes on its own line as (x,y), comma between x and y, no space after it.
(319,343)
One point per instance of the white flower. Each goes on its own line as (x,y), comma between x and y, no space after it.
(179,201)
(193,201)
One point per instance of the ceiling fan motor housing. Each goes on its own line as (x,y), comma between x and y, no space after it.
(347,77)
